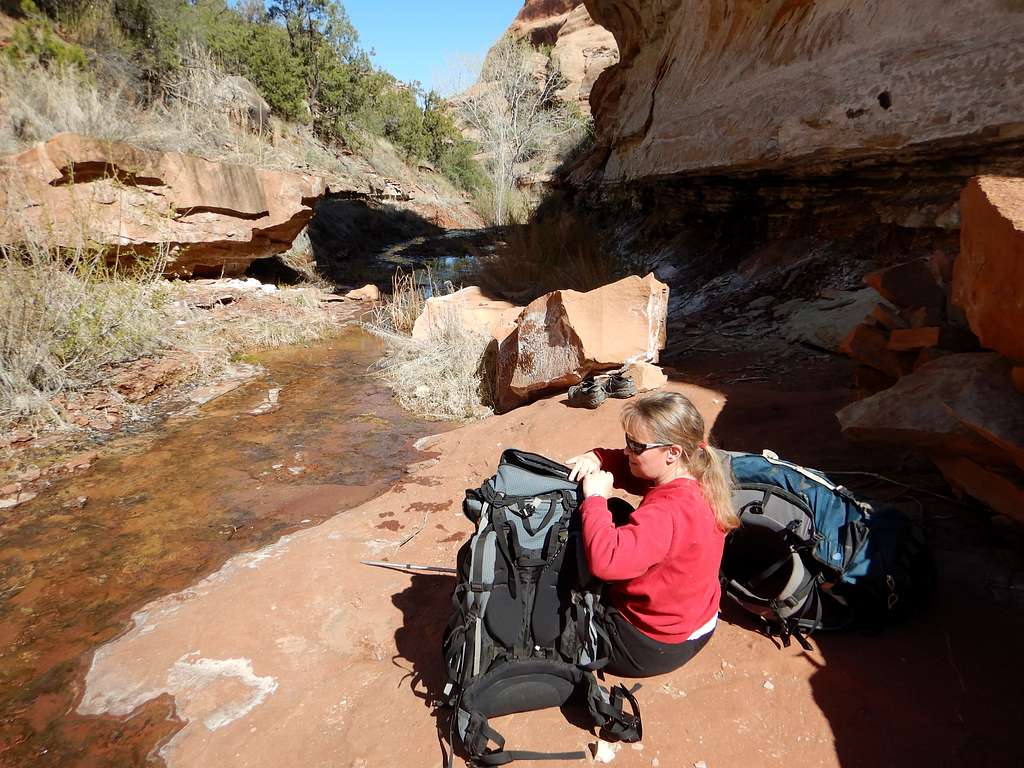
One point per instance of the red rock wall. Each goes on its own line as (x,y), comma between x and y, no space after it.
(988,275)
(706,85)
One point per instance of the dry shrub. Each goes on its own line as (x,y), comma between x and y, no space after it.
(202,112)
(447,376)
(37,103)
(551,252)
(64,315)
(397,313)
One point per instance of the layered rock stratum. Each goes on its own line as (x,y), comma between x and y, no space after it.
(212,218)
(706,85)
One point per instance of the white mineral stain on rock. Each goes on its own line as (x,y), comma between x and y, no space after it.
(190,678)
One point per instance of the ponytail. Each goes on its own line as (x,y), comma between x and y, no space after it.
(707,469)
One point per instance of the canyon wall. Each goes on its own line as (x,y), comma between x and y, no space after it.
(711,85)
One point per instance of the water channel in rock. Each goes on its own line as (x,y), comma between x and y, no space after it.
(163,509)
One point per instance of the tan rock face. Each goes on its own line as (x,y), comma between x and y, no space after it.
(470,307)
(988,275)
(582,49)
(706,84)
(565,335)
(218,217)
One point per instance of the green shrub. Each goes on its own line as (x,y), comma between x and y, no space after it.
(34,41)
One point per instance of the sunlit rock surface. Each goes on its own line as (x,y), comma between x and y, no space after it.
(564,335)
(74,190)
(710,84)
(988,275)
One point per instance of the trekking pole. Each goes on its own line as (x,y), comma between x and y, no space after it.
(408,566)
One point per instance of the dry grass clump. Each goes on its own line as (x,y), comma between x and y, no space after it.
(64,315)
(447,376)
(398,312)
(203,111)
(551,252)
(300,258)
(37,103)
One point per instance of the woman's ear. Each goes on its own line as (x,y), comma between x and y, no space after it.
(674,454)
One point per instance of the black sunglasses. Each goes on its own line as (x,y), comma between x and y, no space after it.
(637,448)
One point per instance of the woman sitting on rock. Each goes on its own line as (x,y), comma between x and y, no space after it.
(662,561)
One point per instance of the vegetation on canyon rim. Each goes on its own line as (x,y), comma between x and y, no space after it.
(153,72)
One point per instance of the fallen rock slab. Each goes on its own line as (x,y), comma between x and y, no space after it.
(368,292)
(563,336)
(934,407)
(825,322)
(988,275)
(868,345)
(912,284)
(905,339)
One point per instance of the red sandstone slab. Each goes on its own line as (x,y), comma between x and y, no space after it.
(908,285)
(957,406)
(869,345)
(906,339)
(997,491)
(988,276)
(888,317)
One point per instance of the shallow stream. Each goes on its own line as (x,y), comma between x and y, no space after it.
(167,507)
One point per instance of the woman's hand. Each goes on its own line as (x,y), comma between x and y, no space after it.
(583,465)
(597,484)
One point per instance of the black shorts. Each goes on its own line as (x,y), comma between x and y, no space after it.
(634,654)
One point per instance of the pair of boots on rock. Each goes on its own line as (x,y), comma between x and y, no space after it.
(594,390)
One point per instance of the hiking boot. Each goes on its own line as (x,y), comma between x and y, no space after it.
(587,394)
(619,385)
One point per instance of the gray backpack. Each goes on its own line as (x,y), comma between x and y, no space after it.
(526,632)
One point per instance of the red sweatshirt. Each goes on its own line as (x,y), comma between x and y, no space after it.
(663,564)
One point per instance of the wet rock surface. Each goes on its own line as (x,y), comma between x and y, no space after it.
(106,531)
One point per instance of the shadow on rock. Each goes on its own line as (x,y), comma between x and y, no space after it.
(425,605)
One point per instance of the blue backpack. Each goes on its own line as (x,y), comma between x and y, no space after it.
(809,555)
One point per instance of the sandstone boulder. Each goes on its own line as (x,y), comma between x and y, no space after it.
(215,217)
(827,321)
(563,336)
(472,308)
(912,284)
(368,292)
(959,405)
(988,276)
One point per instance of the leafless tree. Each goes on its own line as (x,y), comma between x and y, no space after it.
(514,113)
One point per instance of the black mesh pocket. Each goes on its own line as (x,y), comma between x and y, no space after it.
(504,616)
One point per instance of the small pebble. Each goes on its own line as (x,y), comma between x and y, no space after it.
(700,764)
(768,685)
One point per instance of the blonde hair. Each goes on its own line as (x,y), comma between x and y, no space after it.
(670,417)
